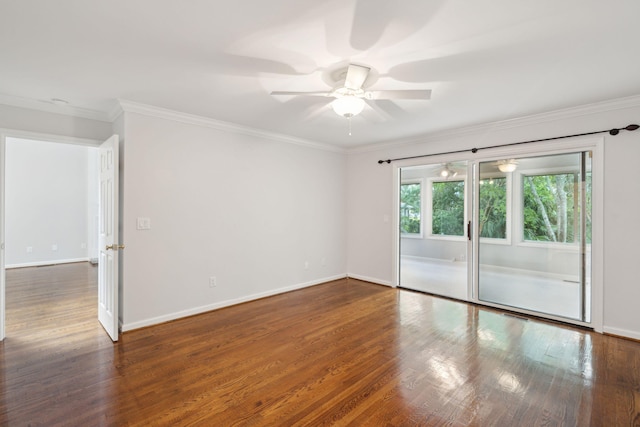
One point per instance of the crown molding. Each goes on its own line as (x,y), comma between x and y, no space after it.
(48,107)
(534,119)
(115,112)
(192,119)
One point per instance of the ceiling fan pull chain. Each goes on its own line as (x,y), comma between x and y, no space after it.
(349,125)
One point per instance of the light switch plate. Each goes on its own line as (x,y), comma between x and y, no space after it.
(143,223)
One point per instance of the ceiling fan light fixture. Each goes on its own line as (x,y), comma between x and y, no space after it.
(507,165)
(348,106)
(446,172)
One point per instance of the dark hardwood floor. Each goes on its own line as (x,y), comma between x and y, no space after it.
(341,353)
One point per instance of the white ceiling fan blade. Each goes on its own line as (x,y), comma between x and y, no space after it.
(285,92)
(398,94)
(356,75)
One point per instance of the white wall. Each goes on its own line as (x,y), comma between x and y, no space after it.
(47,202)
(370,198)
(248,210)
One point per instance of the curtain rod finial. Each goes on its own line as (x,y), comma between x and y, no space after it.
(629,128)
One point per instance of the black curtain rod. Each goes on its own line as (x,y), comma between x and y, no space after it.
(475,150)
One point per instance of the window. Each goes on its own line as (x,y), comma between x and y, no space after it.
(447,208)
(410,208)
(493,208)
(551,207)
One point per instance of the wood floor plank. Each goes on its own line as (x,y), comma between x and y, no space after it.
(341,353)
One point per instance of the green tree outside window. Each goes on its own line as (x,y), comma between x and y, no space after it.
(493,208)
(448,208)
(551,207)
(410,196)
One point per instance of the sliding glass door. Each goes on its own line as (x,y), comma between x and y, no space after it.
(534,232)
(434,245)
(510,232)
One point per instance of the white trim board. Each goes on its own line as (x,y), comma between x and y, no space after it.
(370,279)
(624,333)
(45,263)
(124,327)
(45,137)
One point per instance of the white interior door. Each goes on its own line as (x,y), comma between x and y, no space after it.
(108,238)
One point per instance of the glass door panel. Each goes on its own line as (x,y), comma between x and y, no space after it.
(535,234)
(433,229)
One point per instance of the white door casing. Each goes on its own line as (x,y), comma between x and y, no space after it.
(108,238)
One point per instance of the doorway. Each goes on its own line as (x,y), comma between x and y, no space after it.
(50,205)
(514,231)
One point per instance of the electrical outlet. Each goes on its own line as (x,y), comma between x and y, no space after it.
(306,265)
(212,282)
(54,247)
(29,249)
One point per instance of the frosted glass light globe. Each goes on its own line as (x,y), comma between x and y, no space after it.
(348,106)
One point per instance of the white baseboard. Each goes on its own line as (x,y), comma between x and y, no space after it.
(370,279)
(222,304)
(43,263)
(622,332)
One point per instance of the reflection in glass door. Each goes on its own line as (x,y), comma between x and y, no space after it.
(534,229)
(433,229)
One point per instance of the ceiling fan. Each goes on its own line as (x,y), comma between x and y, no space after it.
(450,170)
(349,99)
(506,165)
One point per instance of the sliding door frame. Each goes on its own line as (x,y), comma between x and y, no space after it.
(595,144)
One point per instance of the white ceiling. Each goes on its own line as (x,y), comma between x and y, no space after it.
(485,60)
